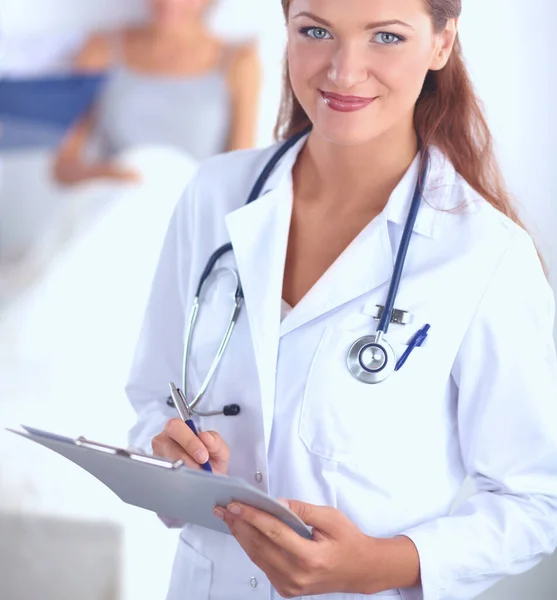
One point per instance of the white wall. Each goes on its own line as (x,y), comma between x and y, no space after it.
(511,48)
(29,17)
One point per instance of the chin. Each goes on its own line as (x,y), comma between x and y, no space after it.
(356,133)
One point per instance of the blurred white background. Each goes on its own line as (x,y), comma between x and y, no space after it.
(510,48)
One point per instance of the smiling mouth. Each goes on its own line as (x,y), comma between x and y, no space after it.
(342,103)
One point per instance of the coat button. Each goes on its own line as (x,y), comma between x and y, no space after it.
(259,477)
(253,582)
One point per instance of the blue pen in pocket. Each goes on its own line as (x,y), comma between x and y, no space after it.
(187,416)
(415,342)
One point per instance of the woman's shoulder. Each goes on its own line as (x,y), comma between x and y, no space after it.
(242,51)
(103,48)
(95,54)
(465,208)
(234,171)
(223,182)
(220,186)
(241,60)
(470,223)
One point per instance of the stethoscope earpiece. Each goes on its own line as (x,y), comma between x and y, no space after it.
(231,410)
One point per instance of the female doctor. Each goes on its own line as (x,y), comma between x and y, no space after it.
(392,200)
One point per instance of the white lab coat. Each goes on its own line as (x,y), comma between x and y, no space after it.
(478,399)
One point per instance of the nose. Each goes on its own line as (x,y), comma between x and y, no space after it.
(348,66)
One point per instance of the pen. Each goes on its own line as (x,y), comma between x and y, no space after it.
(186,415)
(416,342)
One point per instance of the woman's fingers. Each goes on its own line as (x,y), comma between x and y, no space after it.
(178,442)
(178,431)
(168,449)
(219,452)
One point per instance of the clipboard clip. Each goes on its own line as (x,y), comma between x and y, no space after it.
(137,456)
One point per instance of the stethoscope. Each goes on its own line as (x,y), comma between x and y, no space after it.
(371,359)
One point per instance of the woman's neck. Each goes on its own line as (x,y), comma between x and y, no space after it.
(362,176)
(186,33)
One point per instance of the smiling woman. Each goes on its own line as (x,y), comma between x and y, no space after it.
(369,418)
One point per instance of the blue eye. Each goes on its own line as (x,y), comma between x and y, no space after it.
(388,39)
(316,33)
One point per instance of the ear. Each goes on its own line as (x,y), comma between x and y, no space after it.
(444,45)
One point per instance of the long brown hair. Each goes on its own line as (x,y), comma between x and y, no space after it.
(448,114)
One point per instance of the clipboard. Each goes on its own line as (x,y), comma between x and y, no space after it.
(171,490)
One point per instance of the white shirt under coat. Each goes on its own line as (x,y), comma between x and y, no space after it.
(479,398)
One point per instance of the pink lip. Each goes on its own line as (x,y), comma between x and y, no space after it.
(342,103)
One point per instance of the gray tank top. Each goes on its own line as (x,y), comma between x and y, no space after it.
(191,113)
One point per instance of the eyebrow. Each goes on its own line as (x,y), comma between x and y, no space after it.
(368,26)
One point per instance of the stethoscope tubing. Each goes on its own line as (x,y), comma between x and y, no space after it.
(255,193)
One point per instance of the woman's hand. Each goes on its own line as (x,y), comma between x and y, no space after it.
(73,173)
(339,558)
(112,172)
(178,442)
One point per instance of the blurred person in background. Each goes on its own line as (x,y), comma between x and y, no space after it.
(174,95)
(171,82)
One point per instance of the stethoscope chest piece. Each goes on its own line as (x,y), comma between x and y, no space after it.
(371,359)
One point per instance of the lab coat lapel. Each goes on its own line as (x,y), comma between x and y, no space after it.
(364,266)
(368,263)
(259,236)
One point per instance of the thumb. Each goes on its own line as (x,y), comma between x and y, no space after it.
(325,519)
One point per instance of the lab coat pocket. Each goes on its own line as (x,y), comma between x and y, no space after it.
(191,574)
(345,420)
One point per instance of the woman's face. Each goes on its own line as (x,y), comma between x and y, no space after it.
(357,67)
(171,12)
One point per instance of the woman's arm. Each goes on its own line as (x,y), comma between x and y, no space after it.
(70,167)
(506,375)
(244,81)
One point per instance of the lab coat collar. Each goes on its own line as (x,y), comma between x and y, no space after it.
(283,171)
(438,187)
(439,183)
(259,235)
(363,267)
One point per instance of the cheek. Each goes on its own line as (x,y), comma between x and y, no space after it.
(403,75)
(306,65)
